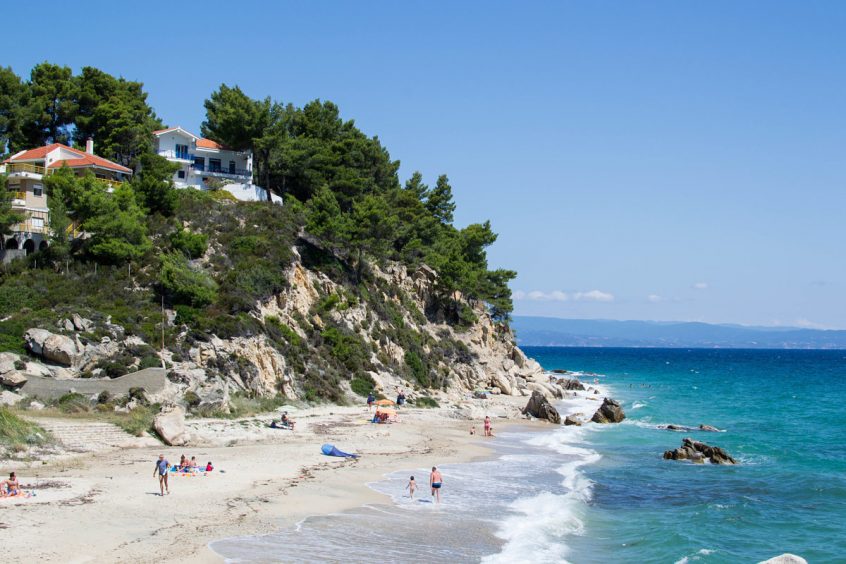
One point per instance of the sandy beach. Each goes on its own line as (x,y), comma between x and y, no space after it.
(105,507)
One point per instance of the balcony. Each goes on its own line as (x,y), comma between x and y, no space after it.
(172,155)
(25,170)
(228,172)
(34,222)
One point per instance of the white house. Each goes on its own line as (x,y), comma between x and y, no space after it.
(201,160)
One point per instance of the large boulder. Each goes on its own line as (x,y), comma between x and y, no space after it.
(572,420)
(8,361)
(609,412)
(9,398)
(56,348)
(698,452)
(13,379)
(540,408)
(171,427)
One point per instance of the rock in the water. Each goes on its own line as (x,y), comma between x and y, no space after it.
(560,371)
(709,428)
(596,392)
(697,452)
(785,558)
(609,412)
(171,427)
(570,420)
(13,379)
(540,408)
(677,428)
(573,384)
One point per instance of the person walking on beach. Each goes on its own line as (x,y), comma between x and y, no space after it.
(162,466)
(412,485)
(370,399)
(436,481)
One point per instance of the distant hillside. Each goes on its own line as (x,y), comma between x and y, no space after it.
(548,331)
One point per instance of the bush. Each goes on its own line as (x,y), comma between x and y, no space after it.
(417,368)
(348,348)
(74,403)
(194,245)
(183,284)
(150,361)
(104,397)
(362,384)
(191,398)
(426,401)
(16,432)
(328,303)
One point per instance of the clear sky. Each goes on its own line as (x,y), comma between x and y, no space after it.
(640,160)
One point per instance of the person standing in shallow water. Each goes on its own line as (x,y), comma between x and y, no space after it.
(436,481)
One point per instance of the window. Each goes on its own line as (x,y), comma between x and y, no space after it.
(199,163)
(37,190)
(182,152)
(180,174)
(231,167)
(214,165)
(38,222)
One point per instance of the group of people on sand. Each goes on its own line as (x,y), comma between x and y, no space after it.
(11,487)
(487,427)
(401,398)
(163,467)
(436,481)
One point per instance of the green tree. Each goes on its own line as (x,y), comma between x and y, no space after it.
(184,285)
(370,231)
(51,107)
(13,93)
(114,112)
(153,185)
(439,201)
(416,186)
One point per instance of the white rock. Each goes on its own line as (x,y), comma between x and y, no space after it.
(171,427)
(37,369)
(785,558)
(9,398)
(13,379)
(36,405)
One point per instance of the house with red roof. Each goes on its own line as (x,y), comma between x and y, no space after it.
(26,171)
(205,164)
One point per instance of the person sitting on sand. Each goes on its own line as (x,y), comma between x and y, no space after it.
(436,481)
(287,421)
(412,485)
(12,486)
(162,466)
(209,466)
(183,463)
(194,464)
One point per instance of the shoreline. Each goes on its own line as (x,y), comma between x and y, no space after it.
(110,512)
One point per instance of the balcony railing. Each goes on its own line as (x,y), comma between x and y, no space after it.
(223,171)
(12,168)
(170,154)
(19,195)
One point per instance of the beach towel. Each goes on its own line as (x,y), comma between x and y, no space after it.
(330,450)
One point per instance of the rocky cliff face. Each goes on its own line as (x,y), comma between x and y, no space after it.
(322,337)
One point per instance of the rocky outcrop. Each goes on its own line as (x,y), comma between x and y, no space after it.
(170,426)
(709,428)
(699,452)
(540,408)
(676,428)
(609,412)
(572,420)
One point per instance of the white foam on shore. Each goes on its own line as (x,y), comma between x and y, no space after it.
(537,529)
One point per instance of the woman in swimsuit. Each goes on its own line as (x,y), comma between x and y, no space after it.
(12,485)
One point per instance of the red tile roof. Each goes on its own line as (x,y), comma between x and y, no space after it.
(209,144)
(83,159)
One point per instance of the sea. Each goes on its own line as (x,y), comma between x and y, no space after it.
(603,493)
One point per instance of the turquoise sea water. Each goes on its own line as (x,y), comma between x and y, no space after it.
(784,413)
(603,493)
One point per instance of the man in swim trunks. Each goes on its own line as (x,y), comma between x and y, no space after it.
(370,399)
(436,481)
(162,466)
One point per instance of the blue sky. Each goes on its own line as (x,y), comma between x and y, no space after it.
(640,160)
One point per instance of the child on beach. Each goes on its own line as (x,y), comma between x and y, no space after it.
(412,485)
(162,466)
(209,466)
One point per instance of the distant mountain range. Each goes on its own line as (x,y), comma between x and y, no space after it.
(549,331)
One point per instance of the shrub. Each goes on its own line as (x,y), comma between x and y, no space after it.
(194,245)
(328,303)
(150,361)
(104,397)
(348,348)
(191,398)
(20,365)
(183,284)
(417,368)
(426,401)
(16,432)
(362,384)
(74,403)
